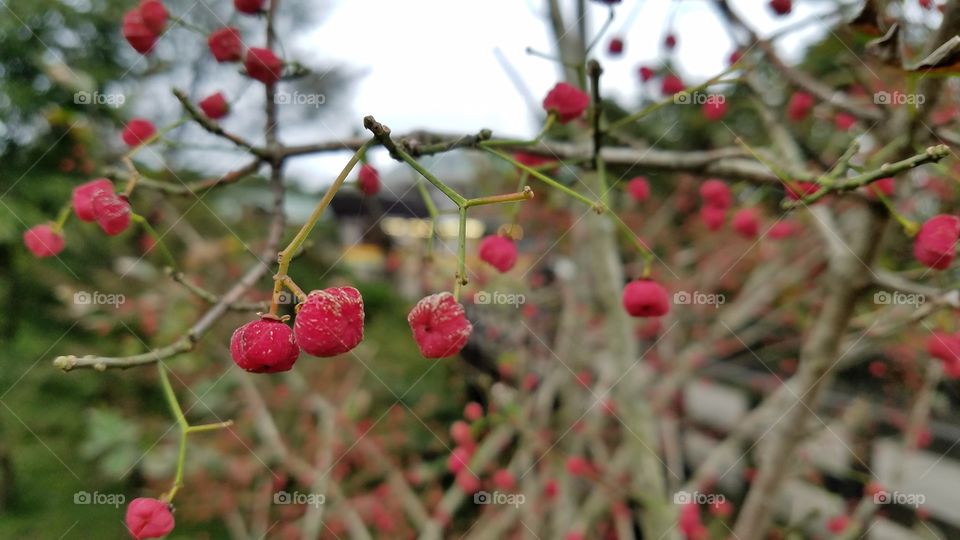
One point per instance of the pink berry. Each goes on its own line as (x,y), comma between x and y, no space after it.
(440,326)
(713,217)
(799,106)
(746,222)
(499,252)
(639,189)
(670,41)
(468,482)
(671,84)
(782,229)
(615,47)
(504,480)
(265,345)
(137,131)
(645,298)
(459,459)
(844,121)
(330,322)
(43,241)
(645,73)
(781,7)
(716,193)
(579,466)
(368,180)
(715,108)
(250,7)
(154,15)
(837,524)
(137,33)
(215,106)
(532,160)
(148,518)
(225,44)
(936,243)
(884,186)
(82,198)
(263,65)
(112,212)
(473,411)
(566,101)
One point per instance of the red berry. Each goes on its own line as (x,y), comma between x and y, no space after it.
(615,46)
(837,524)
(154,15)
(883,186)
(645,298)
(439,325)
(799,190)
(461,434)
(215,106)
(670,41)
(799,106)
(671,84)
(746,222)
(713,217)
(646,73)
(844,121)
(566,101)
(138,130)
(468,482)
(458,459)
(330,321)
(112,212)
(499,252)
(137,33)
(936,243)
(473,411)
(531,160)
(148,518)
(225,44)
(716,193)
(504,480)
(250,7)
(639,189)
(263,65)
(83,197)
(265,345)
(715,108)
(735,57)
(368,180)
(781,7)
(782,229)
(579,466)
(43,241)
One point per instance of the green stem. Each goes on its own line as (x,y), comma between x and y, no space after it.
(523,195)
(546,179)
(461,254)
(643,249)
(627,120)
(515,211)
(209,427)
(62,218)
(457,199)
(171,398)
(551,119)
(142,221)
(432,210)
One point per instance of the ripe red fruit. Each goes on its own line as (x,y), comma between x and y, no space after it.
(936,243)
(883,186)
(266,345)
(368,180)
(579,466)
(746,222)
(844,121)
(439,325)
(137,33)
(645,73)
(82,198)
(504,480)
(215,106)
(781,7)
(946,348)
(837,524)
(473,411)
(499,252)
(250,7)
(715,108)
(615,47)
(670,41)
(782,229)
(458,459)
(639,189)
(148,518)
(531,160)
(154,15)
(671,84)
(138,130)
(716,193)
(468,482)
(330,321)
(112,212)
(735,57)
(799,106)
(566,101)
(225,44)
(645,298)
(43,241)
(461,434)
(713,216)
(263,65)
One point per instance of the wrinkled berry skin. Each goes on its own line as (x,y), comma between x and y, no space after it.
(266,345)
(148,518)
(263,65)
(330,322)
(225,44)
(215,106)
(440,326)
(138,130)
(368,180)
(499,252)
(112,212)
(566,101)
(936,244)
(645,298)
(42,241)
(82,198)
